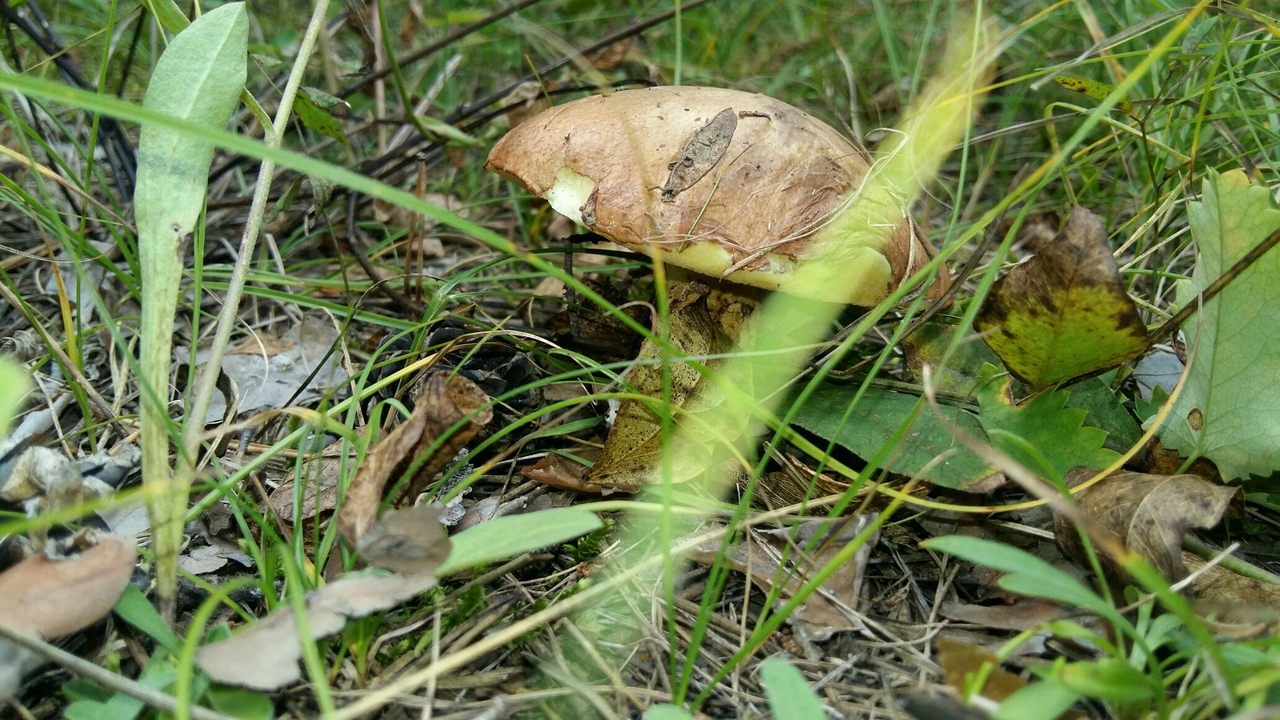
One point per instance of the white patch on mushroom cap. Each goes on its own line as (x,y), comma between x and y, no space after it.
(569,193)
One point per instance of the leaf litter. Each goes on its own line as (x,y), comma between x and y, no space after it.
(428,438)
(58,591)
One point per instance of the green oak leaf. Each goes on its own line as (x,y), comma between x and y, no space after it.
(1229,409)
(1064,313)
(1042,433)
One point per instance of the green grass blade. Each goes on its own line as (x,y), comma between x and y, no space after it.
(790,696)
(508,536)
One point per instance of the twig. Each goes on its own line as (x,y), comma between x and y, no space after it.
(422,52)
(102,676)
(1215,287)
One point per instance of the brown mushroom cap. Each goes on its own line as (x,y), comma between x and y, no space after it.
(729,184)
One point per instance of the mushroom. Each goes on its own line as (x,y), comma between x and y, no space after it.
(736,187)
(729,184)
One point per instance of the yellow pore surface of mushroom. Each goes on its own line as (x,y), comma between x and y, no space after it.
(729,184)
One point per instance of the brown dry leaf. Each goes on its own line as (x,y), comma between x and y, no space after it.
(51,598)
(1237,607)
(446,400)
(550,287)
(615,54)
(633,450)
(783,488)
(960,663)
(261,344)
(832,607)
(1148,513)
(595,331)
(265,656)
(407,541)
(1036,231)
(1064,313)
(525,101)
(1023,614)
(393,215)
(319,498)
(268,376)
(559,471)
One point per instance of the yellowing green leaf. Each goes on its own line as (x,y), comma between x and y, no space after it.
(1097,90)
(1229,410)
(1064,314)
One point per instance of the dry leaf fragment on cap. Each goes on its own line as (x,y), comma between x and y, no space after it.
(729,184)
(446,400)
(265,655)
(1148,513)
(1064,313)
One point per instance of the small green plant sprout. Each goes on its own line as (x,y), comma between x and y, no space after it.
(197,80)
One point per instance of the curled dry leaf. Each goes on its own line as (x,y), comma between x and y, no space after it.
(1023,614)
(1148,513)
(265,656)
(961,663)
(408,540)
(1064,313)
(446,400)
(1237,607)
(559,471)
(729,184)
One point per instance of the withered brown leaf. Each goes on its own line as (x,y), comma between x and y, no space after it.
(700,153)
(51,598)
(409,541)
(1148,513)
(1064,313)
(446,400)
